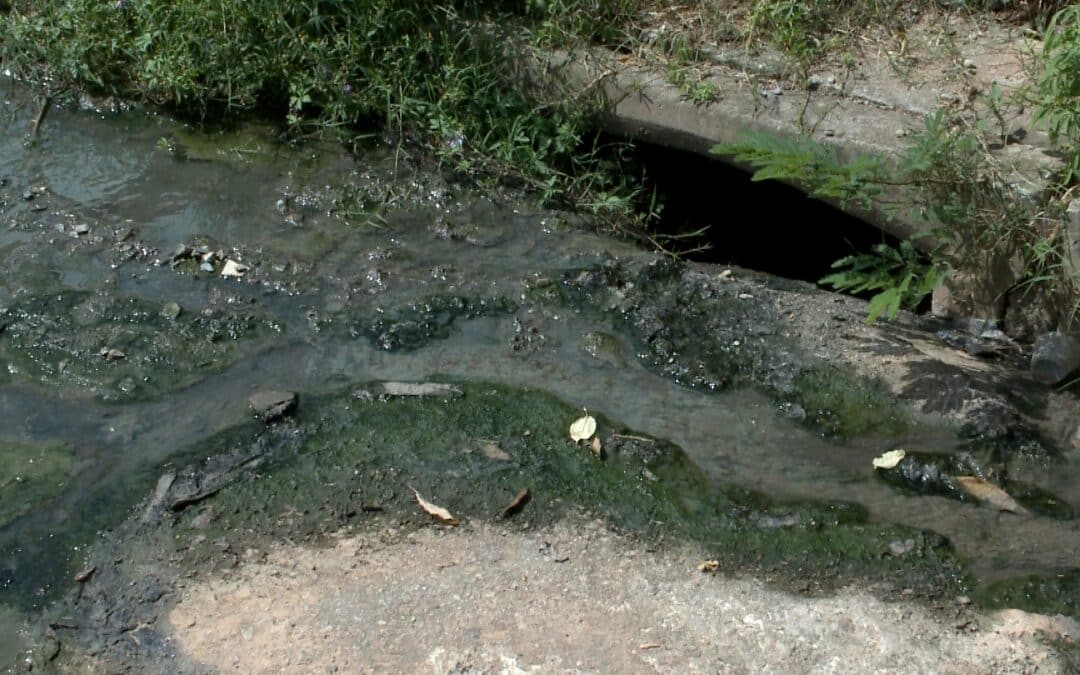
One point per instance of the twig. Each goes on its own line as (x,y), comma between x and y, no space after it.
(35,127)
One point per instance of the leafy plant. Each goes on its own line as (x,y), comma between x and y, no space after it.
(899,276)
(1057,91)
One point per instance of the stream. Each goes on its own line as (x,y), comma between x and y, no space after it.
(118,351)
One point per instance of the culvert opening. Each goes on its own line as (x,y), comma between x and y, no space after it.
(765,226)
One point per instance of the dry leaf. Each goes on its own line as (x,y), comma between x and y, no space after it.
(991,494)
(583,428)
(84,576)
(437,512)
(597,448)
(492,450)
(889,459)
(709,566)
(516,504)
(233,269)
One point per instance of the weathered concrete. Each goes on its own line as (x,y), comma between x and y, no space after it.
(869,109)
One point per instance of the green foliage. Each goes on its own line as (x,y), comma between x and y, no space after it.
(812,166)
(899,276)
(796,26)
(436,73)
(1057,91)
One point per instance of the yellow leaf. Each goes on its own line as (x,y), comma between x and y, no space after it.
(437,512)
(709,566)
(889,459)
(516,504)
(597,448)
(583,428)
(991,494)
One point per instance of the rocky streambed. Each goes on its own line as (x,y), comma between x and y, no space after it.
(218,351)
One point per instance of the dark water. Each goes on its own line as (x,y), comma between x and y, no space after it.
(323,263)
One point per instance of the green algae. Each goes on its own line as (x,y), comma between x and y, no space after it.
(841,405)
(121,348)
(473,453)
(714,338)
(1046,594)
(428,319)
(31,475)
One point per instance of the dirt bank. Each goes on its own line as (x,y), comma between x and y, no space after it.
(570,598)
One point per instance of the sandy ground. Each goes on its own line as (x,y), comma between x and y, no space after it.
(573,598)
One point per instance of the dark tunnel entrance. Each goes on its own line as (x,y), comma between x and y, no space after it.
(765,226)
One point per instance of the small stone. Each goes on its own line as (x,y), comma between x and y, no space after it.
(81,229)
(963,600)
(180,252)
(901,133)
(207,267)
(112,354)
(1055,356)
(271,404)
(233,269)
(899,547)
(969,64)
(28,195)
(170,311)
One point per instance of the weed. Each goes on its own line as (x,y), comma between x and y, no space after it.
(1057,91)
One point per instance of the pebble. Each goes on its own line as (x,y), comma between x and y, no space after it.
(28,195)
(81,229)
(271,404)
(170,311)
(207,267)
(969,64)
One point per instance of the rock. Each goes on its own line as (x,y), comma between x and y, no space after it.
(81,229)
(270,404)
(207,267)
(420,389)
(1071,235)
(181,252)
(1054,357)
(233,269)
(170,311)
(28,195)
(112,354)
(899,547)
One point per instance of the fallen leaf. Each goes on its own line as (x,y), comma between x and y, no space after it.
(991,494)
(516,504)
(492,450)
(709,566)
(889,459)
(649,645)
(84,576)
(597,448)
(583,428)
(233,269)
(437,512)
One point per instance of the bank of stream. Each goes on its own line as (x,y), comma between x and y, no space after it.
(152,279)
